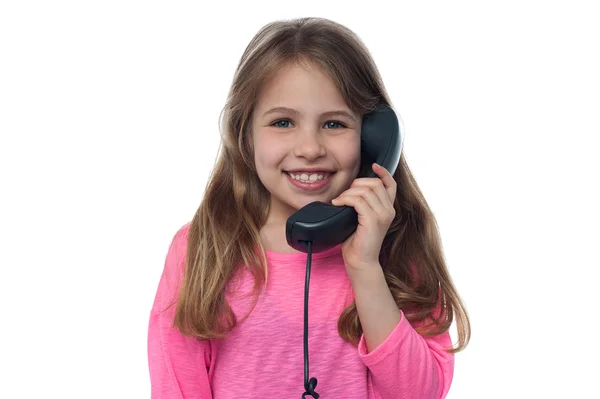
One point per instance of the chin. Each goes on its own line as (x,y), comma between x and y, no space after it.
(299,205)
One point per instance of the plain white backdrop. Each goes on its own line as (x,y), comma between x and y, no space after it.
(109,129)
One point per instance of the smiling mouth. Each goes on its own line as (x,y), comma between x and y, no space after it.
(305,177)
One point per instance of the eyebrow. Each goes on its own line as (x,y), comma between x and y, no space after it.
(296,113)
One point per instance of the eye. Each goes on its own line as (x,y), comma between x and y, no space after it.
(332,124)
(280,123)
(284,123)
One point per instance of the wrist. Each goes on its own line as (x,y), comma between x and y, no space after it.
(366,275)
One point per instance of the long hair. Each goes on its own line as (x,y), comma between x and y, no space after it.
(224,233)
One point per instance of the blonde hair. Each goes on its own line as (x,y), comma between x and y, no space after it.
(224,232)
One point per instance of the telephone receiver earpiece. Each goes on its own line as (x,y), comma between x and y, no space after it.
(326,225)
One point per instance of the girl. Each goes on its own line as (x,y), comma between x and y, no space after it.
(227,321)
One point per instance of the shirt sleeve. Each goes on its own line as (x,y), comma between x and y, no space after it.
(178,364)
(408,365)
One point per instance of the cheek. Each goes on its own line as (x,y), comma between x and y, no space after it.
(268,153)
(348,155)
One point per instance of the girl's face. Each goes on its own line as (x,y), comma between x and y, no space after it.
(306,139)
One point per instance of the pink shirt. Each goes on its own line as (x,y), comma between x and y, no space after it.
(263,356)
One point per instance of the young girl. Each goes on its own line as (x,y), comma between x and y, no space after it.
(227,321)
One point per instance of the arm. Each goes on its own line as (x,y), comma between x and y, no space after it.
(178,364)
(403,364)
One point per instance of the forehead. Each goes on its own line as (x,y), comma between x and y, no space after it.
(303,86)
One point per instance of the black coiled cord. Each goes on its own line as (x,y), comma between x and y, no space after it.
(309,385)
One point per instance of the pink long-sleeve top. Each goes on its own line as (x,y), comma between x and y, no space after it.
(263,356)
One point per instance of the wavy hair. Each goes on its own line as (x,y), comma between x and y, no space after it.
(219,242)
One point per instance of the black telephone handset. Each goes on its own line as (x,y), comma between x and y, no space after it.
(326,225)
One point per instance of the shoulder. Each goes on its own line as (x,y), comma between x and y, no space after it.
(180,238)
(177,251)
(182,233)
(173,270)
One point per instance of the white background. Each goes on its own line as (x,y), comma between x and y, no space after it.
(109,129)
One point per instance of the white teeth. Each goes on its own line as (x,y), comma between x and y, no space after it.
(306,178)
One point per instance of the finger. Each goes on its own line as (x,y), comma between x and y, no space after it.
(383,213)
(359,203)
(387,179)
(368,195)
(376,184)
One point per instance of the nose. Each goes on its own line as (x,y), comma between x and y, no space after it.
(310,145)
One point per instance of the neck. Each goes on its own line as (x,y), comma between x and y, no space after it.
(272,234)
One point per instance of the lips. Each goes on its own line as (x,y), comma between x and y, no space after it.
(309,180)
(309,177)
